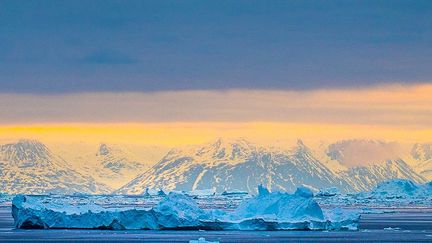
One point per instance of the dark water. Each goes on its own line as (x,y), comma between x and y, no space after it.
(415,226)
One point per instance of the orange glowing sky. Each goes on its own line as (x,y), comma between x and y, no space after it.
(396,112)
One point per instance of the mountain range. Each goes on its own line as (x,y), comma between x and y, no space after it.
(240,165)
(29,166)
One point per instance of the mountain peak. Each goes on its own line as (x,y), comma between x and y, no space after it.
(301,147)
(300,143)
(25,149)
(103,149)
(230,142)
(226,149)
(28,143)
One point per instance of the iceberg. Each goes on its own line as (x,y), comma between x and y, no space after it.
(203,192)
(397,188)
(400,189)
(328,192)
(202,240)
(234,193)
(266,211)
(262,190)
(386,195)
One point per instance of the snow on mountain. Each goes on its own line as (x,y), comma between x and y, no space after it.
(109,163)
(114,165)
(223,165)
(371,162)
(363,178)
(236,164)
(28,166)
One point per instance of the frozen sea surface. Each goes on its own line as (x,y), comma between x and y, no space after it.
(402,225)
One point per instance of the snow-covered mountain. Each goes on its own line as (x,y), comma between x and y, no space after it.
(28,166)
(239,164)
(236,164)
(370,162)
(363,178)
(112,165)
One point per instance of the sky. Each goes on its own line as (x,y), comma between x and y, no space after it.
(86,46)
(180,72)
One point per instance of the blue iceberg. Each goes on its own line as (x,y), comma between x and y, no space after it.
(266,211)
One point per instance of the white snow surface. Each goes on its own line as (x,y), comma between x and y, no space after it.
(267,211)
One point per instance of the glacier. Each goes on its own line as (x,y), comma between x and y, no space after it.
(265,211)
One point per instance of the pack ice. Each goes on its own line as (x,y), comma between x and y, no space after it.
(266,211)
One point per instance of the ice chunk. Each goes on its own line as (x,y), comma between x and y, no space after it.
(342,219)
(161,193)
(400,189)
(304,192)
(179,211)
(395,188)
(202,240)
(329,192)
(174,211)
(280,207)
(425,190)
(147,193)
(234,192)
(204,192)
(262,190)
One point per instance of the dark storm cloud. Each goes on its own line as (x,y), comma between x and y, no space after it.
(87,46)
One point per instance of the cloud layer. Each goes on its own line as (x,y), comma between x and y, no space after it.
(408,106)
(52,47)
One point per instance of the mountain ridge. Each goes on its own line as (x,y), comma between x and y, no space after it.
(29,166)
(277,169)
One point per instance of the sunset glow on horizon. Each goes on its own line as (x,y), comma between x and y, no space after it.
(394,113)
